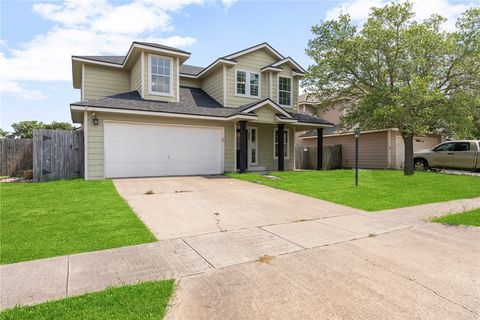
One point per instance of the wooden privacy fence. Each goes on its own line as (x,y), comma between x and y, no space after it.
(306,157)
(15,155)
(57,154)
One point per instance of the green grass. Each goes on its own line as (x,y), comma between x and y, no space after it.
(142,301)
(40,220)
(377,190)
(467,218)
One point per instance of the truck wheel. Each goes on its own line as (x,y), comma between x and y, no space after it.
(420,165)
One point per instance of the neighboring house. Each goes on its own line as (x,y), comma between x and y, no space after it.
(379,149)
(149,114)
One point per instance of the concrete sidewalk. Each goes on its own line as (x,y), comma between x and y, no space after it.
(428,272)
(54,278)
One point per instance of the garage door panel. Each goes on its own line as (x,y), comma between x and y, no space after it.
(139,150)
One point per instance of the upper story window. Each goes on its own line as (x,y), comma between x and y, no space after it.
(247,83)
(160,75)
(284,91)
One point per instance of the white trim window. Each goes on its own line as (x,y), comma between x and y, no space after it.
(253,146)
(284,91)
(286,150)
(160,75)
(247,83)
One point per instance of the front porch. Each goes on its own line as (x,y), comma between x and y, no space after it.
(262,145)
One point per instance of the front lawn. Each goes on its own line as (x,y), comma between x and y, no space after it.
(40,220)
(377,190)
(467,218)
(142,301)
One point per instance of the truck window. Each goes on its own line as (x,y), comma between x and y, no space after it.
(445,147)
(462,146)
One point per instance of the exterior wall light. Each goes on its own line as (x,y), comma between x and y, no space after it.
(95,120)
(357,132)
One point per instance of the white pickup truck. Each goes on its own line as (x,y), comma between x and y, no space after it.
(461,154)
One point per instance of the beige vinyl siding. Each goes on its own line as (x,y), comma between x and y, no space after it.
(274,87)
(253,61)
(101,81)
(306,108)
(391,136)
(146,82)
(265,146)
(295,94)
(136,76)
(372,146)
(189,82)
(95,150)
(213,85)
(265,114)
(334,113)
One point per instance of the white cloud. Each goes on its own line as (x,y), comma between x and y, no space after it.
(13,88)
(173,41)
(86,27)
(72,12)
(228,3)
(424,9)
(133,18)
(359,10)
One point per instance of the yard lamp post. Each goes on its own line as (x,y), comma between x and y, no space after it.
(357,135)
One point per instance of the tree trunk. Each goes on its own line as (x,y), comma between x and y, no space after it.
(408,166)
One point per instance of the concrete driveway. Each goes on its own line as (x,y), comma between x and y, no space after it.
(188,206)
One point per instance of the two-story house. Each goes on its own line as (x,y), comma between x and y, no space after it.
(379,149)
(149,114)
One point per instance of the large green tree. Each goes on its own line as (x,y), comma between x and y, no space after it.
(401,73)
(24,129)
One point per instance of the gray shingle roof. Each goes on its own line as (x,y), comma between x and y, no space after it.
(184,68)
(121,59)
(160,46)
(326,131)
(108,59)
(190,70)
(257,45)
(193,101)
(309,119)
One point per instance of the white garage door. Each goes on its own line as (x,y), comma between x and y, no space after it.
(147,150)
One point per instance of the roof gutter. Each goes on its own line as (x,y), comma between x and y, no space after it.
(133,46)
(75,107)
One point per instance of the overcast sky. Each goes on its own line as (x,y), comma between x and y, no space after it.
(38,38)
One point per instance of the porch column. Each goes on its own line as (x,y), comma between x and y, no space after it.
(281,151)
(320,149)
(243,147)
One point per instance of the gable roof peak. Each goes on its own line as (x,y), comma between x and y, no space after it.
(263,45)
